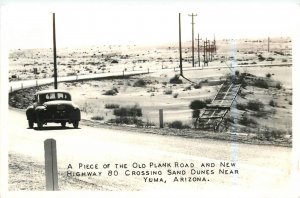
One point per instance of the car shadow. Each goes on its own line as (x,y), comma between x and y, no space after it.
(50,128)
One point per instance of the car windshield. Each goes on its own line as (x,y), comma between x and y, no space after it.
(54,96)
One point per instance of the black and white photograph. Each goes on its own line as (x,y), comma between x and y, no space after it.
(169,97)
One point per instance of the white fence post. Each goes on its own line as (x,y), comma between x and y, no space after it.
(51,165)
(161,118)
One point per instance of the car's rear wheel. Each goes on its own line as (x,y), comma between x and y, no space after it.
(75,124)
(63,124)
(30,124)
(40,125)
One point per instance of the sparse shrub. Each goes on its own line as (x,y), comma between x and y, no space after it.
(246,121)
(237,72)
(164,83)
(175,95)
(261,83)
(176,80)
(268,75)
(187,88)
(260,114)
(168,92)
(278,85)
(261,58)
(270,59)
(127,120)
(290,102)
(255,105)
(198,86)
(99,118)
(275,134)
(177,125)
(272,103)
(197,104)
(139,83)
(284,60)
(112,106)
(208,101)
(134,111)
(111,92)
(241,106)
(196,113)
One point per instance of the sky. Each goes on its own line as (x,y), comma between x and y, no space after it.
(128,22)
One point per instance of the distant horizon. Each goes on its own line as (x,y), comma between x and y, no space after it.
(154,44)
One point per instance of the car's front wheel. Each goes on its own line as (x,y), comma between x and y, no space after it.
(30,124)
(75,124)
(63,124)
(40,125)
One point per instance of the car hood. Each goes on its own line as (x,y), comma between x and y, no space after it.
(59,102)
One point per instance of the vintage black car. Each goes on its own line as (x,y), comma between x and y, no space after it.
(53,106)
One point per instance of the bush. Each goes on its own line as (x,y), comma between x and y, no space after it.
(272,103)
(187,88)
(237,72)
(255,105)
(261,83)
(196,113)
(139,83)
(276,134)
(112,106)
(175,95)
(268,75)
(133,111)
(127,120)
(168,92)
(241,106)
(97,118)
(208,101)
(111,92)
(177,125)
(261,58)
(176,80)
(246,121)
(198,86)
(197,104)
(278,85)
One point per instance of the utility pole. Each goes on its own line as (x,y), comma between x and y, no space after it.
(198,50)
(215,47)
(209,51)
(268,44)
(54,53)
(205,53)
(192,15)
(180,50)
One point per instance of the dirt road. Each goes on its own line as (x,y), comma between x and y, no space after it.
(195,163)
